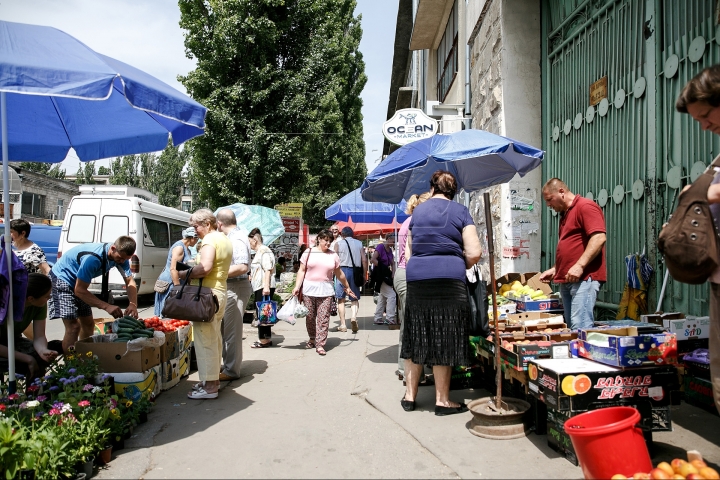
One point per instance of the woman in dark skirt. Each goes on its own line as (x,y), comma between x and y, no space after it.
(442,244)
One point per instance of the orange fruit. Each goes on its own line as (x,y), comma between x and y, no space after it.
(532,372)
(582,384)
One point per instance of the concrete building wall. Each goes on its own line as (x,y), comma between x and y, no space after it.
(506,100)
(52,189)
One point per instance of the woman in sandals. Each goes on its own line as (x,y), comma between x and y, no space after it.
(212,266)
(315,278)
(262,278)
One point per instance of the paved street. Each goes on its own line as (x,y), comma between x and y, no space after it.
(294,414)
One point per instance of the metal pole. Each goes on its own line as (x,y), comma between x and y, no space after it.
(493,289)
(12,385)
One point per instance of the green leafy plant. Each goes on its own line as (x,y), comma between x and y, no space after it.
(11,448)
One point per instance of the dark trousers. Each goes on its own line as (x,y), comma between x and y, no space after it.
(264,331)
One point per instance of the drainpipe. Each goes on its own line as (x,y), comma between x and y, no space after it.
(468,101)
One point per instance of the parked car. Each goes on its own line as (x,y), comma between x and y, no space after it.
(46,237)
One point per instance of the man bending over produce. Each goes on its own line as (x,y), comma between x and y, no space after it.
(71,277)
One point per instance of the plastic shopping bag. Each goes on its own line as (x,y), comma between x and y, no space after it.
(287,312)
(266,311)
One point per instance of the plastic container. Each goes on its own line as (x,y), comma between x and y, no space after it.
(608,441)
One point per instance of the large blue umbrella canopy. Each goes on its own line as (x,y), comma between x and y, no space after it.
(477,158)
(56,94)
(254,216)
(49,76)
(352,205)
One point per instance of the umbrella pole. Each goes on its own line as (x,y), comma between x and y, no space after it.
(10,324)
(493,289)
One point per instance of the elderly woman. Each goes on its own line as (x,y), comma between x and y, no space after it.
(262,279)
(212,266)
(315,277)
(701,99)
(29,253)
(400,281)
(443,243)
(179,252)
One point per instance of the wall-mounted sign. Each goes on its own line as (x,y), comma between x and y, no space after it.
(598,91)
(408,125)
(290,210)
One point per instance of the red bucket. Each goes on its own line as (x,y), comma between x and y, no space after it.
(608,442)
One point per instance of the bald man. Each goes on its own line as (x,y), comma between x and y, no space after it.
(580,255)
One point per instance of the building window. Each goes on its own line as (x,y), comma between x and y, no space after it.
(186,190)
(33,204)
(60,209)
(447,57)
(186,206)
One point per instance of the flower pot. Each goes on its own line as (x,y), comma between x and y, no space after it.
(143,417)
(86,468)
(105,455)
(26,475)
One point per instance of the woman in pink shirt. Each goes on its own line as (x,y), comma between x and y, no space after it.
(315,278)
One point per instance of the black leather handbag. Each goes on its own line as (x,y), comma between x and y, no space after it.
(479,304)
(191,302)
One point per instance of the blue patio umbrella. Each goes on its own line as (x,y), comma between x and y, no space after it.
(57,94)
(266,219)
(478,159)
(352,205)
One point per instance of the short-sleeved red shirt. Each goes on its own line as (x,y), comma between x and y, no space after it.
(578,223)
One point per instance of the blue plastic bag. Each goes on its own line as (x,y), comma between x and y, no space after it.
(266,311)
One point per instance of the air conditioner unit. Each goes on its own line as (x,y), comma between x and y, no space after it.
(430,108)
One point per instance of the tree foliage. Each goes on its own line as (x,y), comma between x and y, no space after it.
(85,173)
(160,174)
(51,170)
(104,170)
(282,81)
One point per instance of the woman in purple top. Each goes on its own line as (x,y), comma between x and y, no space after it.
(443,243)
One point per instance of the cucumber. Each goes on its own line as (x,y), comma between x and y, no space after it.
(126,330)
(125,322)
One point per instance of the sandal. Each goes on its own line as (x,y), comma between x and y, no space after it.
(258,344)
(321,351)
(201,394)
(342,329)
(310,345)
(198,386)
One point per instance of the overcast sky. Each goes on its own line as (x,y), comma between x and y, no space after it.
(146,34)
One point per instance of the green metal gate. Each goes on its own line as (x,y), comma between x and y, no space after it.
(631,152)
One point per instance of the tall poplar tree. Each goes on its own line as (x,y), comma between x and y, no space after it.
(282,81)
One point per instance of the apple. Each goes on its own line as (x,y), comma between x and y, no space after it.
(709,473)
(641,476)
(659,473)
(666,468)
(694,476)
(618,476)
(677,463)
(687,468)
(698,464)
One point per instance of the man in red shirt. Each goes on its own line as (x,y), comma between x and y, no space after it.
(580,256)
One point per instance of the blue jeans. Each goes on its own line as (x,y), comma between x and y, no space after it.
(579,301)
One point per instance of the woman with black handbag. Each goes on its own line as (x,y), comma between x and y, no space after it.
(215,256)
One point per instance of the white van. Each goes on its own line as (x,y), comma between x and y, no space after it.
(102,213)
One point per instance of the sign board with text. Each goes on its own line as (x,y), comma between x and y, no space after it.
(290,210)
(409,125)
(598,91)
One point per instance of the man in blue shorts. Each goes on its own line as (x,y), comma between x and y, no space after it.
(71,277)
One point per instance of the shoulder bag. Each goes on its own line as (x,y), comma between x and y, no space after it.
(358,274)
(689,240)
(191,302)
(479,304)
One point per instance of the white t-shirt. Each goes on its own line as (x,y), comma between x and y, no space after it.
(356,248)
(263,261)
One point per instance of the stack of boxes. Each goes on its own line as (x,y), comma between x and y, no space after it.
(175,357)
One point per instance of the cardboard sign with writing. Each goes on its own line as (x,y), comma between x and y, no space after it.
(598,91)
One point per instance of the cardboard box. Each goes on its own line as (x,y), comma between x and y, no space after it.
(173,370)
(557,438)
(114,357)
(541,327)
(134,385)
(171,348)
(184,337)
(698,392)
(689,328)
(659,318)
(626,348)
(539,305)
(547,320)
(504,309)
(578,385)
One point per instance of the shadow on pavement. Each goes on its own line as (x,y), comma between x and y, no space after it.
(699,421)
(386,355)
